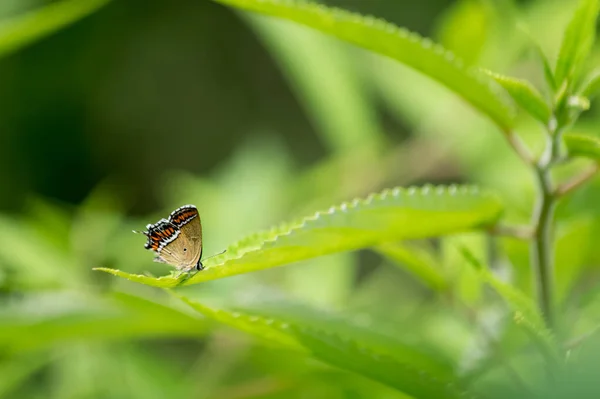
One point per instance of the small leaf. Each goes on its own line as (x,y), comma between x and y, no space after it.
(389,216)
(548,73)
(579,145)
(525,95)
(526,313)
(354,349)
(24,29)
(591,87)
(577,42)
(417,262)
(387,39)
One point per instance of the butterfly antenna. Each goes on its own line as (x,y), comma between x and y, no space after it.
(220,253)
(139,232)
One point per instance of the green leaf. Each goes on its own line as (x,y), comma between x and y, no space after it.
(416,261)
(525,313)
(548,72)
(329,87)
(23,30)
(577,42)
(391,215)
(571,252)
(122,318)
(464,28)
(387,39)
(579,145)
(348,347)
(591,87)
(540,55)
(525,95)
(18,371)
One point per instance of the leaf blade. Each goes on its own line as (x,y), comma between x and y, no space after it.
(525,95)
(404,46)
(328,87)
(579,145)
(390,215)
(398,366)
(577,41)
(591,87)
(121,317)
(25,29)
(526,313)
(417,262)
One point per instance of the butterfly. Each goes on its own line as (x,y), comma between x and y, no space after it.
(177,241)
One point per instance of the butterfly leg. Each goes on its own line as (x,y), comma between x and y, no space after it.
(185,271)
(199,266)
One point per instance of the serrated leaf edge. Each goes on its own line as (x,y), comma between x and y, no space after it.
(382,25)
(424,377)
(290,227)
(264,238)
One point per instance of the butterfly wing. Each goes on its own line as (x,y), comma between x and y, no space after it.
(161,235)
(189,246)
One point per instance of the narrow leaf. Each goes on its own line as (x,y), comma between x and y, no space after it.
(579,145)
(525,95)
(591,87)
(389,216)
(328,87)
(548,72)
(577,42)
(25,29)
(387,39)
(525,312)
(399,366)
(417,262)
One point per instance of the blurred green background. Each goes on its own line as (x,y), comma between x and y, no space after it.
(115,120)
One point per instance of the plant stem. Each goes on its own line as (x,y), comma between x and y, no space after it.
(519,147)
(542,257)
(518,232)
(577,181)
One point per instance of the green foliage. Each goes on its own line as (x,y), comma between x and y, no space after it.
(591,86)
(577,42)
(391,215)
(417,261)
(22,30)
(582,146)
(404,46)
(432,291)
(349,347)
(329,85)
(117,317)
(525,312)
(525,95)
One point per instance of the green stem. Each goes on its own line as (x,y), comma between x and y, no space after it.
(542,257)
